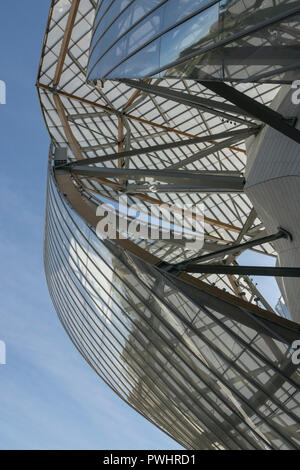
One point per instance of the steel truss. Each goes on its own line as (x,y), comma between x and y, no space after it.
(114,298)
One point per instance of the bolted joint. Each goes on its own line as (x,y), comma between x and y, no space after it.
(285,234)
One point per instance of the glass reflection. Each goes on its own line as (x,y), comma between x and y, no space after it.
(194,372)
(212,44)
(198,32)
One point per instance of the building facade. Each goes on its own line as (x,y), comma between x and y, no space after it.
(229,40)
(201,355)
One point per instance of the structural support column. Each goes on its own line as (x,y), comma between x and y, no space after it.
(259,111)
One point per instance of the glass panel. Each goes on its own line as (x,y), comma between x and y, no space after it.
(147,59)
(200,31)
(207,379)
(238,15)
(101,11)
(121,25)
(140,35)
(252,58)
(268,51)
(109,18)
(111,58)
(177,10)
(145,31)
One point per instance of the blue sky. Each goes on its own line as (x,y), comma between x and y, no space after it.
(49,397)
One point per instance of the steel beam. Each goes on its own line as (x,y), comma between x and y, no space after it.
(82,116)
(159,175)
(134,97)
(240,134)
(242,270)
(205,104)
(235,248)
(112,111)
(204,153)
(263,56)
(206,185)
(268,323)
(259,111)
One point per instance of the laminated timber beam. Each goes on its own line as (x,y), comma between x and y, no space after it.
(210,296)
(79,156)
(237,134)
(66,41)
(209,105)
(131,117)
(134,96)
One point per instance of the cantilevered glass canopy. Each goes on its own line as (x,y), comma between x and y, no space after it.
(201,355)
(233,40)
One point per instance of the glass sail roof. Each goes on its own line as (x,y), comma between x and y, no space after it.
(113,116)
(202,375)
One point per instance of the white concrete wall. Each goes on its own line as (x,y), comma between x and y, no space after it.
(273,186)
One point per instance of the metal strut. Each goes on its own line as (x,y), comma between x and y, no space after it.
(191,266)
(282,233)
(242,270)
(259,111)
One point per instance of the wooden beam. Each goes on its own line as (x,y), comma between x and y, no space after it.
(73,144)
(75,147)
(85,210)
(88,213)
(75,98)
(237,290)
(66,41)
(79,156)
(128,116)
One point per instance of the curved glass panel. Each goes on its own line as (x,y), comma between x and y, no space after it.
(144,31)
(197,30)
(147,58)
(178,10)
(197,356)
(227,40)
(115,26)
(207,380)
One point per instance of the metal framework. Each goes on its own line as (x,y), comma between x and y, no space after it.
(237,248)
(247,270)
(201,355)
(283,124)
